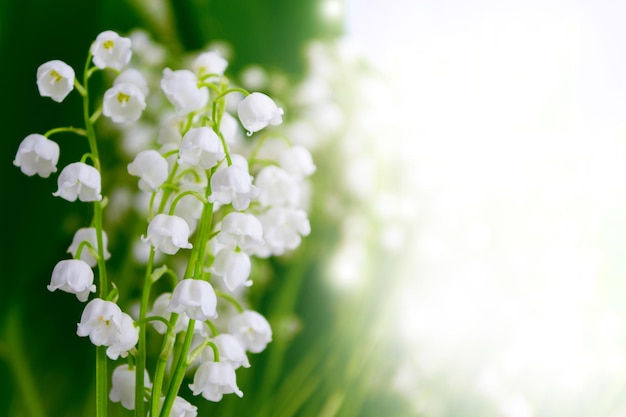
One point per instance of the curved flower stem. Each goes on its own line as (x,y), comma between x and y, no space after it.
(196,194)
(78,131)
(230,299)
(179,373)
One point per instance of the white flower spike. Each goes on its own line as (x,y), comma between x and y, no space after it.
(124,102)
(181,89)
(110,50)
(257,111)
(123,386)
(214,379)
(88,234)
(251,329)
(73,276)
(168,234)
(79,181)
(195,298)
(202,147)
(37,155)
(151,168)
(233,267)
(241,230)
(55,79)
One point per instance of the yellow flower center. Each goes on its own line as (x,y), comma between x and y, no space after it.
(123,98)
(55,76)
(108,44)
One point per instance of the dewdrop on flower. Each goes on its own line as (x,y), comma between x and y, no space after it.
(251,329)
(257,111)
(123,385)
(88,234)
(124,102)
(79,181)
(110,50)
(168,234)
(37,155)
(214,379)
(194,297)
(55,79)
(73,276)
(181,89)
(202,147)
(151,168)
(232,267)
(241,230)
(230,349)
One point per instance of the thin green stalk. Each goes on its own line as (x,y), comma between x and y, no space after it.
(141,343)
(179,373)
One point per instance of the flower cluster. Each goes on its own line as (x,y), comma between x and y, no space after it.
(214,199)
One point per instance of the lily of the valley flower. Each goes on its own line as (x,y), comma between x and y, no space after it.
(151,168)
(251,329)
(88,234)
(126,339)
(214,379)
(55,79)
(160,309)
(257,111)
(37,155)
(133,76)
(201,146)
(123,385)
(124,102)
(297,160)
(79,181)
(110,50)
(283,228)
(180,408)
(73,276)
(233,267)
(233,185)
(277,187)
(230,349)
(168,234)
(101,321)
(196,298)
(241,230)
(181,89)
(210,62)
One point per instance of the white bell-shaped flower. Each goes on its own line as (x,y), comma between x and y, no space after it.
(180,408)
(159,308)
(231,129)
(297,160)
(123,385)
(37,155)
(126,339)
(210,62)
(241,230)
(195,298)
(277,187)
(283,229)
(232,267)
(257,111)
(73,276)
(201,146)
(214,379)
(151,168)
(181,89)
(101,321)
(79,181)
(251,329)
(55,79)
(133,76)
(168,234)
(230,349)
(124,102)
(88,234)
(110,50)
(233,185)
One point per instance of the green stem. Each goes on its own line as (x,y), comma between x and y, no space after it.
(230,299)
(179,373)
(141,343)
(78,131)
(159,372)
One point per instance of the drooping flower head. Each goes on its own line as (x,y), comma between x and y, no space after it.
(37,155)
(283,228)
(123,385)
(232,267)
(194,297)
(79,181)
(230,350)
(210,62)
(277,187)
(110,50)
(257,111)
(73,276)
(101,321)
(233,184)
(241,230)
(124,102)
(151,168)
(88,234)
(202,147)
(214,379)
(168,234)
(251,329)
(181,89)
(127,338)
(55,79)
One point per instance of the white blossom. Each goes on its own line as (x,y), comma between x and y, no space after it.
(135,77)
(202,147)
(277,187)
(194,297)
(283,229)
(126,339)
(123,385)
(251,329)
(241,230)
(257,111)
(233,185)
(110,50)
(88,234)
(180,408)
(159,308)
(168,234)
(181,89)
(101,321)
(151,168)
(73,276)
(210,62)
(55,79)
(297,160)
(232,267)
(124,102)
(230,349)
(37,155)
(79,180)
(214,379)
